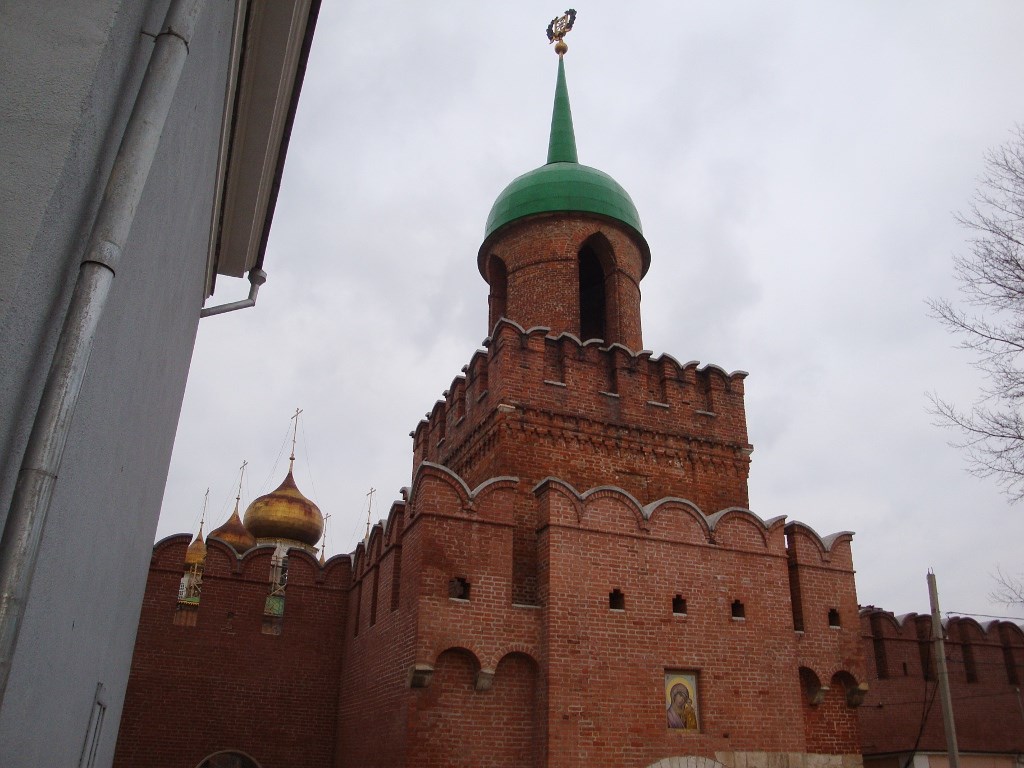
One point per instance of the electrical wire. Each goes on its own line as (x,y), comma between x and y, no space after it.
(309,462)
(265,487)
(925,711)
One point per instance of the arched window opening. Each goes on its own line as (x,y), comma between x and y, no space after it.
(738,611)
(616,600)
(229,760)
(497,299)
(853,690)
(593,314)
(814,691)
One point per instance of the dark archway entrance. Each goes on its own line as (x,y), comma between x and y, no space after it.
(229,760)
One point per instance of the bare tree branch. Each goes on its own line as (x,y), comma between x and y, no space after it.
(991,277)
(1009,589)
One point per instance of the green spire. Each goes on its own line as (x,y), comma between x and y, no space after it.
(562,144)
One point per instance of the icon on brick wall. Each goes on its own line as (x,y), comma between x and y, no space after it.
(681,702)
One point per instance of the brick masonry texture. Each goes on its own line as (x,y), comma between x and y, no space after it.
(986,670)
(540,260)
(521,604)
(222,683)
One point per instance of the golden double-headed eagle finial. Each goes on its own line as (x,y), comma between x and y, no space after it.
(558,28)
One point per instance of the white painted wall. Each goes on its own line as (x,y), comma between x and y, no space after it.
(70,74)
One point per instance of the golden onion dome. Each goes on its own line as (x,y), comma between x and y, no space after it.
(196,552)
(235,534)
(285,515)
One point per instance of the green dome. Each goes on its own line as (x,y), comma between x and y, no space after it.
(562,187)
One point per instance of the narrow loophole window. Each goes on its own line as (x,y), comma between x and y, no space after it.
(738,611)
(458,589)
(616,600)
(679,605)
(833,618)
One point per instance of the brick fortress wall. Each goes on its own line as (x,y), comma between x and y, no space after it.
(223,683)
(553,474)
(575,532)
(556,478)
(571,680)
(986,671)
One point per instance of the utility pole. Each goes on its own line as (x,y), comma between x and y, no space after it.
(940,664)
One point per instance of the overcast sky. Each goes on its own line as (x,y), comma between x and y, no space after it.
(796,167)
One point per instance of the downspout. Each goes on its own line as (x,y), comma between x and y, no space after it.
(22,534)
(257,277)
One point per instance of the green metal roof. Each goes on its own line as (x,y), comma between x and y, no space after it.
(562,143)
(563,185)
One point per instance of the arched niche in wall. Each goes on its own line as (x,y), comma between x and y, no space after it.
(228,759)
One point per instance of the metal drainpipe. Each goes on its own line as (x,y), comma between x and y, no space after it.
(19,546)
(257,277)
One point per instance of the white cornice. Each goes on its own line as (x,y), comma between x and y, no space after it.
(263,82)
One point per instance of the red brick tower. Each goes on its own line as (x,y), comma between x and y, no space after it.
(573,578)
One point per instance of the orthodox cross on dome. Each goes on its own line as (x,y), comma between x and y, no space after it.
(295,434)
(369,505)
(202,515)
(323,547)
(559,28)
(241,474)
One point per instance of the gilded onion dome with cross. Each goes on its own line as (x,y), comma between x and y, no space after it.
(196,552)
(234,533)
(285,515)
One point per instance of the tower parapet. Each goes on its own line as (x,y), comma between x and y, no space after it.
(580,410)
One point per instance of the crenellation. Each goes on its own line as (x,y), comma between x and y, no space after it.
(457,401)
(608,384)
(554,360)
(374,542)
(395,522)
(898,667)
